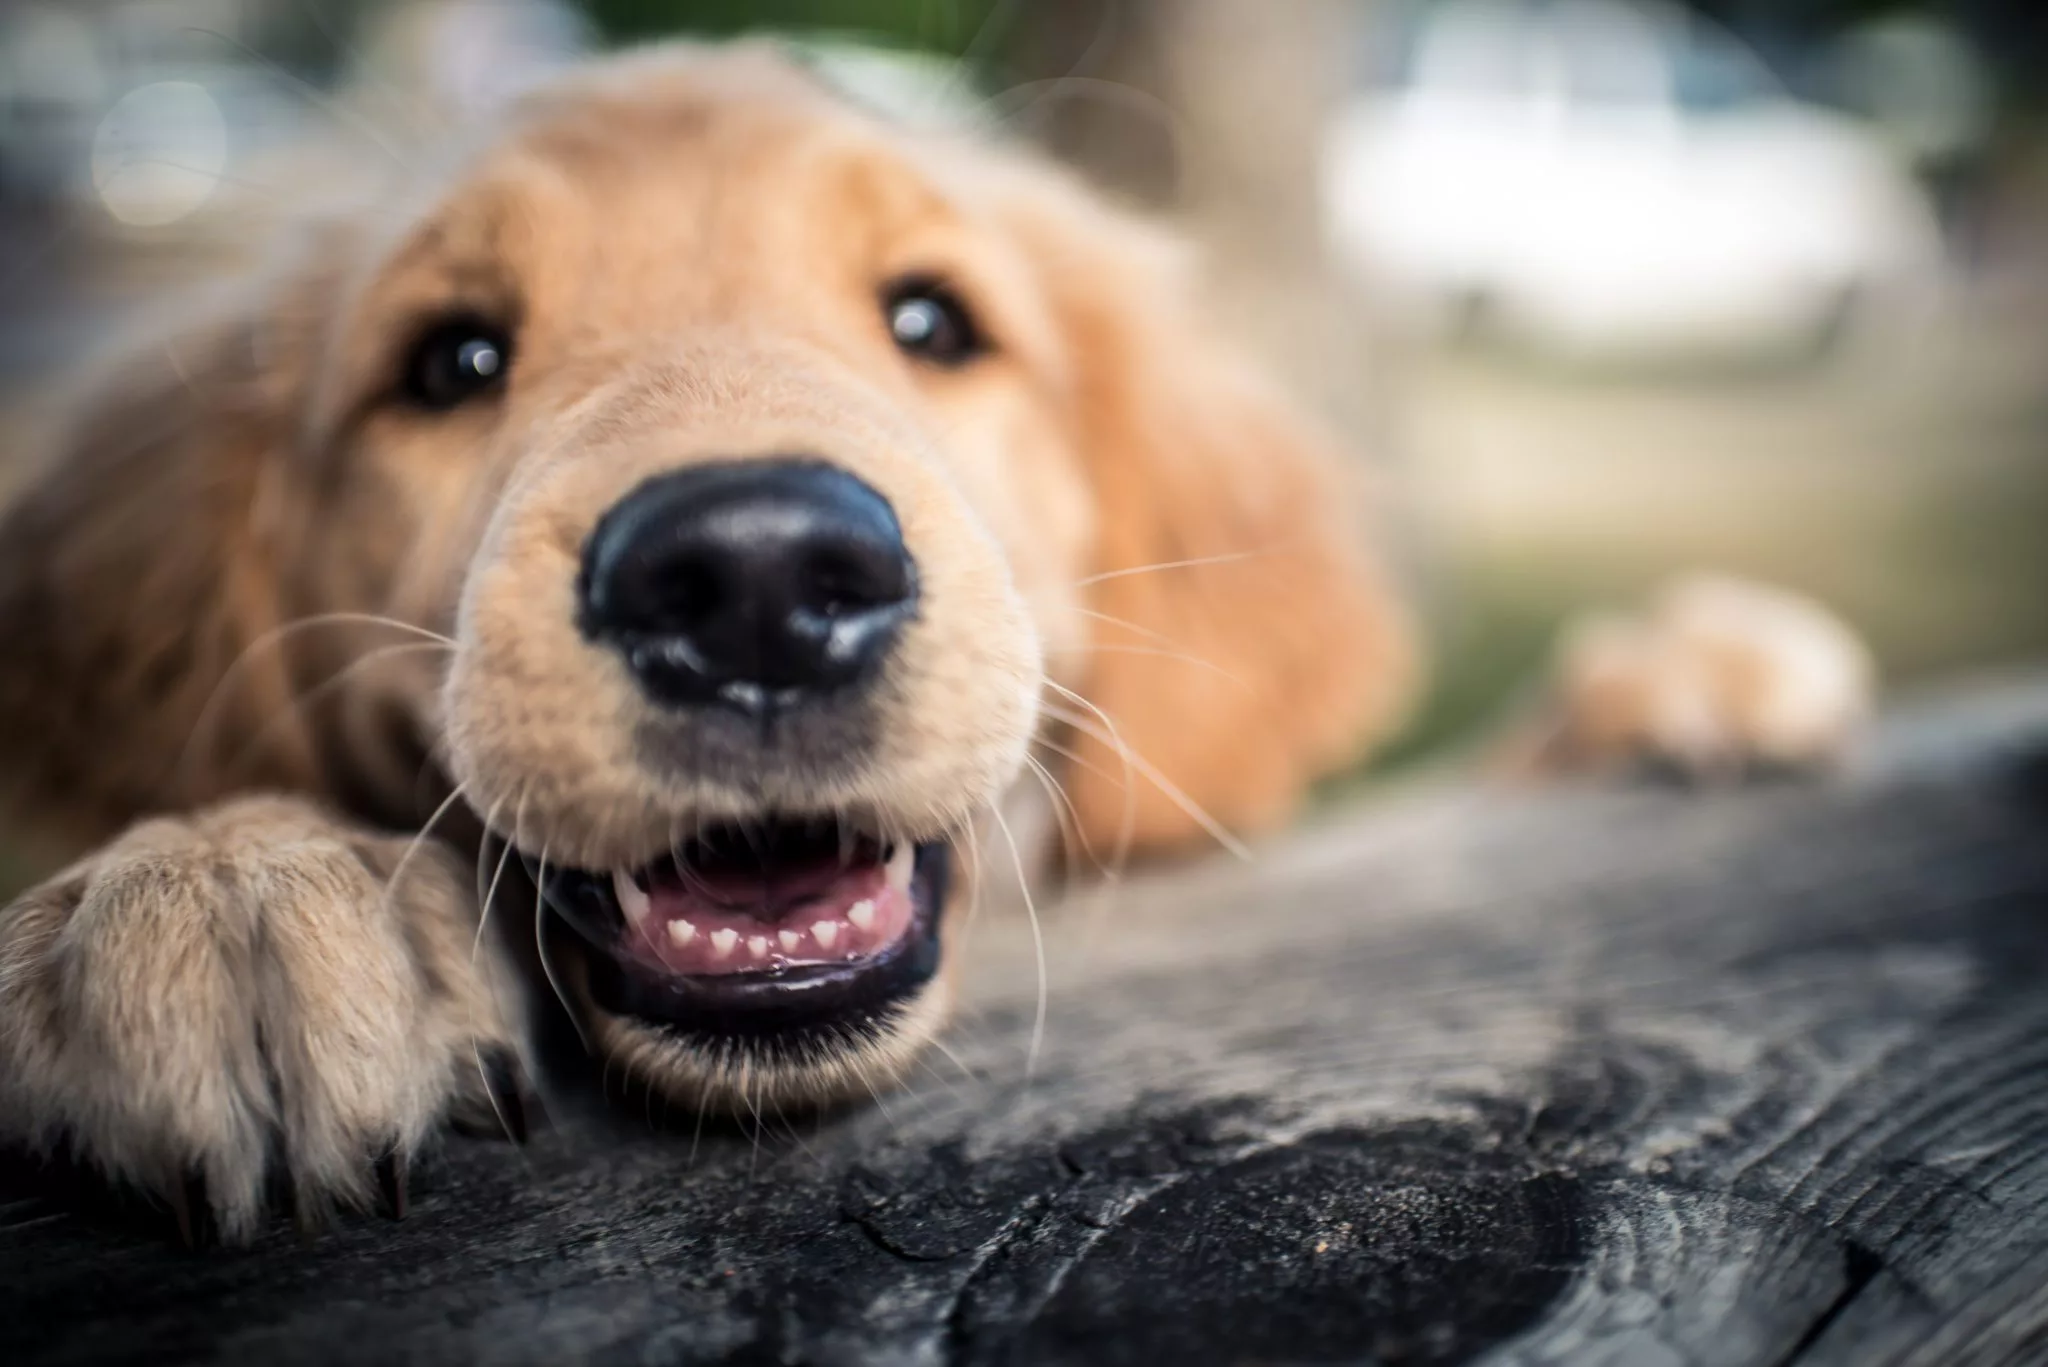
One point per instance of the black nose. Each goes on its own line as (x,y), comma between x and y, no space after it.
(757,584)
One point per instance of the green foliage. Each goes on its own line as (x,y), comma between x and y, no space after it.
(946,26)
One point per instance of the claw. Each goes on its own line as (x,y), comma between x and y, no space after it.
(391,1183)
(191,1209)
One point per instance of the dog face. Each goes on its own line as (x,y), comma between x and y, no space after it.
(777,478)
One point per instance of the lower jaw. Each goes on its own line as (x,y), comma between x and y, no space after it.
(795,1011)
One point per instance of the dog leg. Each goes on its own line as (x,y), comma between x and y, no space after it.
(1719,678)
(257,992)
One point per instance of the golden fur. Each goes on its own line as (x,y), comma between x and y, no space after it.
(225,592)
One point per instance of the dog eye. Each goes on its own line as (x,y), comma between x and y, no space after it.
(455,361)
(928,321)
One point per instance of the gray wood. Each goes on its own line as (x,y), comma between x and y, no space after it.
(1593,1076)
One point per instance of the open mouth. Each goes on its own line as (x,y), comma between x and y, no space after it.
(762,927)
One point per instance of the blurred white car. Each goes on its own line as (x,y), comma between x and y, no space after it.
(1606,178)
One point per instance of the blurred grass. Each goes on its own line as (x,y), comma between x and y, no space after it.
(1909,494)
(952,27)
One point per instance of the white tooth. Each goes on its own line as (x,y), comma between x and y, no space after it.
(757,945)
(790,939)
(902,864)
(826,932)
(722,941)
(632,900)
(862,913)
(681,933)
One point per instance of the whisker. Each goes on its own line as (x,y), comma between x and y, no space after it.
(1069,820)
(1194,810)
(1037,943)
(497,875)
(203,723)
(483,853)
(1100,898)
(866,1080)
(298,704)
(504,857)
(1226,558)
(413,846)
(540,943)
(475,951)
(374,619)
(696,1137)
(788,1127)
(1127,819)
(1210,665)
(956,1060)
(1138,628)
(972,830)
(753,1104)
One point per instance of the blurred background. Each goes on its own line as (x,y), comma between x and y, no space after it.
(1604,289)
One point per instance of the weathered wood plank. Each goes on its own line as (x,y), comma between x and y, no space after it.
(1585,1077)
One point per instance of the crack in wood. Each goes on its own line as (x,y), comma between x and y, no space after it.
(1860,1267)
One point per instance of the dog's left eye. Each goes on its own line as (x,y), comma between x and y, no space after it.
(928,321)
(455,361)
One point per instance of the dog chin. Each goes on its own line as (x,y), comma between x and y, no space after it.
(788,958)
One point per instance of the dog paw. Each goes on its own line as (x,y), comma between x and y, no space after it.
(255,1001)
(1719,678)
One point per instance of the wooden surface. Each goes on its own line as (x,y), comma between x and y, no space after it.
(1591,1077)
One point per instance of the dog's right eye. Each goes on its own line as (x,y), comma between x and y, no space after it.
(455,361)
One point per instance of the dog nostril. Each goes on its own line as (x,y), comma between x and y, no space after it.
(839,581)
(749,584)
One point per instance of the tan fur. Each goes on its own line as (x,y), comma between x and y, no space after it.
(261,969)
(1271,652)
(1715,676)
(690,245)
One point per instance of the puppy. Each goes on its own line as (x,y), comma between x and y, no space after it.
(699,501)
(696,507)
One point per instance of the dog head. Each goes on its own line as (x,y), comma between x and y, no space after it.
(723,489)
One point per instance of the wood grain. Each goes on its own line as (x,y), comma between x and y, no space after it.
(1622,1076)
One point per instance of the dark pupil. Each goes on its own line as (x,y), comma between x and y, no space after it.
(922,325)
(457,362)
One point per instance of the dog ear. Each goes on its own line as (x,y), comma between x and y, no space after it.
(139,565)
(1243,641)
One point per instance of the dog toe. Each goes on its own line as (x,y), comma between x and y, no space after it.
(1718,679)
(248,1003)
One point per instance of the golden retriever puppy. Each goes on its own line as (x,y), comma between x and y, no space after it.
(698,501)
(695,508)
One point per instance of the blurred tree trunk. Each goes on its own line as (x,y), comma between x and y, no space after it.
(1215,112)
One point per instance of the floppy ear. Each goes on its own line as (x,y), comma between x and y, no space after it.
(1243,641)
(138,562)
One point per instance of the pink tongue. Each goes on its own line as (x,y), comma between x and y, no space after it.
(820,914)
(752,890)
